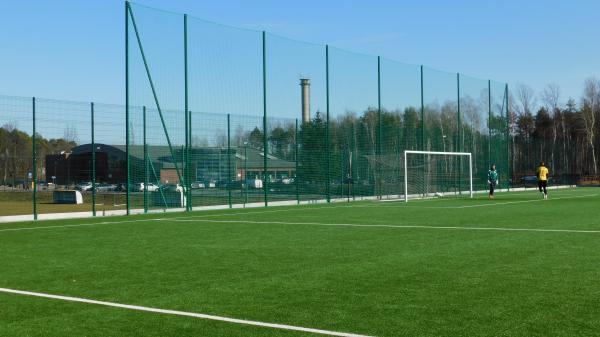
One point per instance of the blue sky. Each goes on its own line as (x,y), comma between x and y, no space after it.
(68,49)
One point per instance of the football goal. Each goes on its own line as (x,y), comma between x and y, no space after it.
(437,174)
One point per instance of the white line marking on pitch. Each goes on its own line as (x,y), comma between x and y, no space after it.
(390,226)
(332,206)
(77,225)
(183,313)
(487,204)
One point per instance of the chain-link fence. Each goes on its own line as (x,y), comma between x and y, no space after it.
(217,115)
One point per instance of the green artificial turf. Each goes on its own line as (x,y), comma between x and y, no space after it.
(305,266)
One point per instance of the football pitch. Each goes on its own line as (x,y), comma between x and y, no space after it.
(513,266)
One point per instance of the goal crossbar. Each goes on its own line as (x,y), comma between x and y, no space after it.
(459,154)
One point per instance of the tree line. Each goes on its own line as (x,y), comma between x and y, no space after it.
(16,151)
(369,145)
(563,134)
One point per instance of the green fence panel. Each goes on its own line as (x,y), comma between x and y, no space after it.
(111,169)
(16,160)
(498,130)
(474,116)
(63,151)
(296,77)
(401,106)
(354,108)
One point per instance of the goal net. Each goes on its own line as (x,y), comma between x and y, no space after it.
(437,174)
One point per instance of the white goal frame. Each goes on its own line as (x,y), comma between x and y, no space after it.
(463,154)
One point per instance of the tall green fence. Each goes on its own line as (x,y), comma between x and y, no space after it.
(217,115)
(334,124)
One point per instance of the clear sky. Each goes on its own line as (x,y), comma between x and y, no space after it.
(74,49)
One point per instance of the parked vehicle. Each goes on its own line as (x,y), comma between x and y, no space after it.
(198,184)
(105,187)
(254,183)
(83,187)
(139,187)
(172,188)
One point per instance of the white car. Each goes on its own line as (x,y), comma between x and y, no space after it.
(151,187)
(172,188)
(198,184)
(87,186)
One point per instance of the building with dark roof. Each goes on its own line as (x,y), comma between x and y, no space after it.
(208,164)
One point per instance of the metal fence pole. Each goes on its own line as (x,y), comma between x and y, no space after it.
(422,114)
(327,141)
(229,160)
(93,162)
(508,152)
(189,158)
(186,167)
(34,158)
(459,141)
(379,131)
(146,180)
(489,122)
(296,182)
(265,144)
(423,148)
(127,185)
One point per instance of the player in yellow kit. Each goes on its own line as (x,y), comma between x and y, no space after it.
(543,173)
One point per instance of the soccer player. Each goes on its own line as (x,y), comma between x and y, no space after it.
(492,180)
(542,173)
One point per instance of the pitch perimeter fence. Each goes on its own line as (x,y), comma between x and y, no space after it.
(217,115)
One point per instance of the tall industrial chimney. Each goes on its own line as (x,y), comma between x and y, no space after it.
(305,85)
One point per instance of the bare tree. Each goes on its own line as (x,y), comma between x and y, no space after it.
(526,99)
(70,134)
(589,109)
(550,97)
(8,127)
(524,106)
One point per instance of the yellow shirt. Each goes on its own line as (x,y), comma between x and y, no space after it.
(542,173)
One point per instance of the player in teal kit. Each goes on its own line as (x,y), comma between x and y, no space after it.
(492,178)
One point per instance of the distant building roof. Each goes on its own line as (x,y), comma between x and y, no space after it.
(251,157)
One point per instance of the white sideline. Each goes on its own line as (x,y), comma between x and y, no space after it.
(391,226)
(182,313)
(190,217)
(77,225)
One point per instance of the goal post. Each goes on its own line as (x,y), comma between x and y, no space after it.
(440,173)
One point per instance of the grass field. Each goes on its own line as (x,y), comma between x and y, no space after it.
(513,266)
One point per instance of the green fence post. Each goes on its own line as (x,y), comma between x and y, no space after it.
(422,114)
(296,160)
(93,162)
(265,144)
(379,131)
(489,122)
(189,158)
(145,161)
(458,144)
(327,142)
(245,183)
(34,163)
(423,147)
(186,167)
(229,159)
(508,152)
(354,149)
(127,184)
